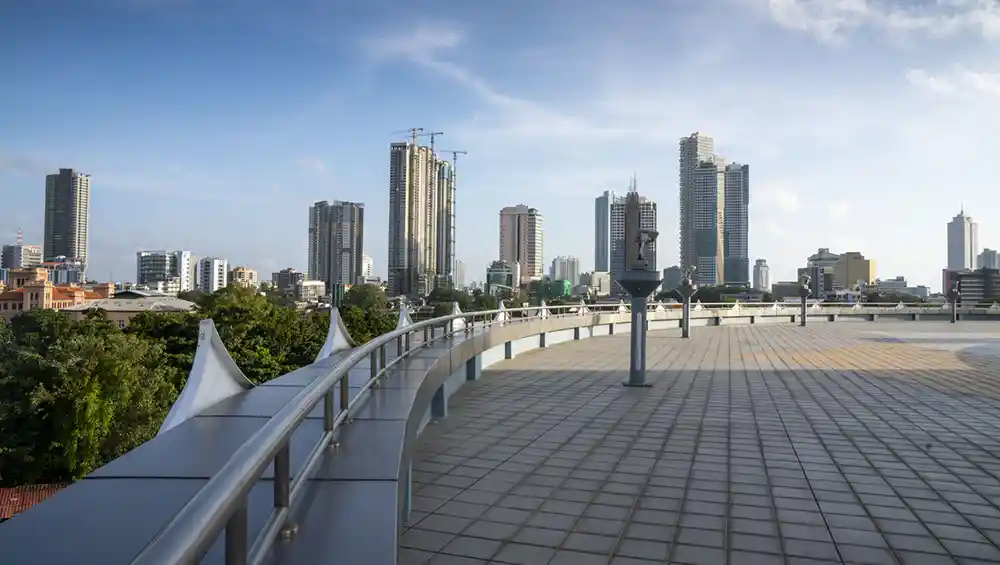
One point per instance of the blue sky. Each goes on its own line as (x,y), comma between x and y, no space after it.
(213,125)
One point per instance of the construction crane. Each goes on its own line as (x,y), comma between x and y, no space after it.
(454,156)
(419,132)
(432,135)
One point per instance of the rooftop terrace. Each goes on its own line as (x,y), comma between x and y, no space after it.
(835,443)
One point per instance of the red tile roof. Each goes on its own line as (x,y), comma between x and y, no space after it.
(18,499)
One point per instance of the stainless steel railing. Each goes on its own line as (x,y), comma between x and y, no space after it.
(222,503)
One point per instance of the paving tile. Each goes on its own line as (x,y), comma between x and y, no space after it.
(756,440)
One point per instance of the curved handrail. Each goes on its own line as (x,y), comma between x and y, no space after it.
(221,502)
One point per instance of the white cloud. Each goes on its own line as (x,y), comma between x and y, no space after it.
(423,39)
(960,82)
(832,20)
(815,141)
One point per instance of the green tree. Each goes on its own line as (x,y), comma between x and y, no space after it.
(366,297)
(86,396)
(365,325)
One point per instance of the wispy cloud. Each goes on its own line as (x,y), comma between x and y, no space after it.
(832,21)
(429,44)
(960,82)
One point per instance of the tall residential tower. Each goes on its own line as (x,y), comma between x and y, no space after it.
(707,209)
(602,231)
(445,256)
(413,218)
(618,245)
(963,243)
(736,226)
(336,242)
(67,215)
(694,149)
(522,240)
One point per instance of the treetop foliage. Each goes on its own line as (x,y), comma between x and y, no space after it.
(76,394)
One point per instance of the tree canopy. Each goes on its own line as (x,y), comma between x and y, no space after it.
(75,394)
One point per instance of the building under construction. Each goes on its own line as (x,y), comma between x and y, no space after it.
(421,219)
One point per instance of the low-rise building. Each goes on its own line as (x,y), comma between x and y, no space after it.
(243,276)
(310,291)
(123,306)
(30,289)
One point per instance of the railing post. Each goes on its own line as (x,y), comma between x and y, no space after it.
(406,339)
(328,413)
(345,395)
(373,365)
(236,536)
(282,477)
(381,355)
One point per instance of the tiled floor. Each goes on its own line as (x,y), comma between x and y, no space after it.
(837,443)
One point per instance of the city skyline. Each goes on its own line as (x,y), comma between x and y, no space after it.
(547,135)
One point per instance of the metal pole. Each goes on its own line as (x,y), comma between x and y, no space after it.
(802,314)
(954,310)
(686,318)
(637,352)
(237,537)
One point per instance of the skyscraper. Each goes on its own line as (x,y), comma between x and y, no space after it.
(647,221)
(413,218)
(602,231)
(445,255)
(67,215)
(963,243)
(707,201)
(522,239)
(694,149)
(736,226)
(566,269)
(761,276)
(336,242)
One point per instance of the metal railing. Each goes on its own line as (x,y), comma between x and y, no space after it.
(222,503)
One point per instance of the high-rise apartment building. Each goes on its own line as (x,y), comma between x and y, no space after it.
(761,276)
(67,215)
(602,231)
(445,254)
(213,274)
(566,269)
(988,259)
(736,226)
(963,243)
(413,219)
(647,221)
(166,269)
(694,149)
(336,242)
(20,256)
(706,209)
(367,266)
(522,240)
(459,274)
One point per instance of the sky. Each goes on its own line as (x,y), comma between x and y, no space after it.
(212,125)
